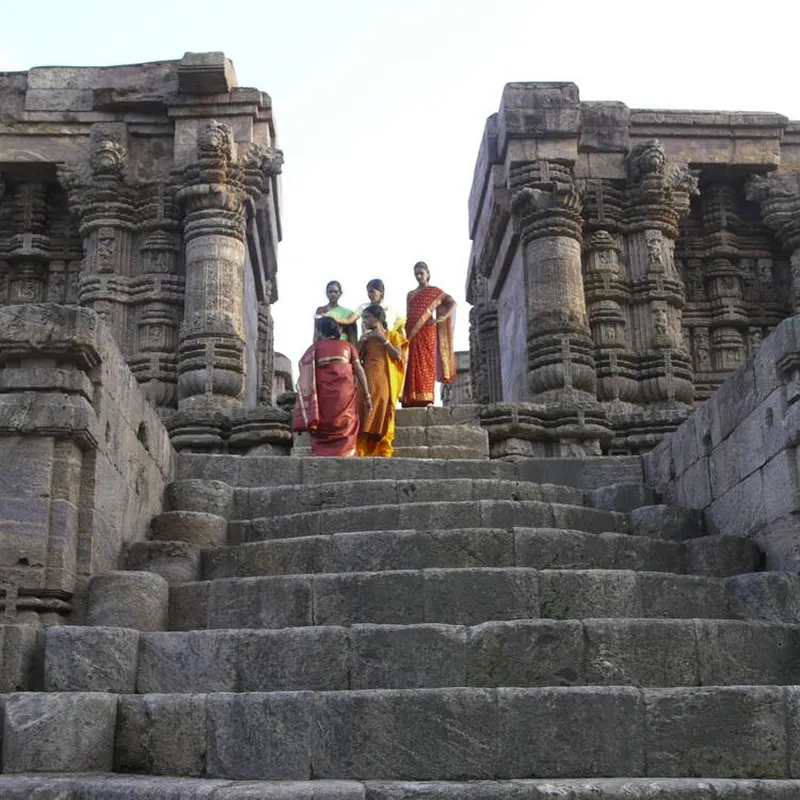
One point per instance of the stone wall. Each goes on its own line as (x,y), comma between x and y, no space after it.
(736,457)
(85,458)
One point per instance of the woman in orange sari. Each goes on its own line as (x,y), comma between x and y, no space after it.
(382,353)
(326,393)
(429,326)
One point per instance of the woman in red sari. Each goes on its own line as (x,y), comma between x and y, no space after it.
(326,393)
(429,327)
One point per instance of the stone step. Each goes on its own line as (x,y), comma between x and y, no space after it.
(412,734)
(469,437)
(463,597)
(429,516)
(540,548)
(523,653)
(252,471)
(108,786)
(282,500)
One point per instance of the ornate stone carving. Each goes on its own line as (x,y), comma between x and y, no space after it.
(778,195)
(211,363)
(29,246)
(547,204)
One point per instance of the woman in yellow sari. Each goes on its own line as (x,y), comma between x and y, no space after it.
(383,356)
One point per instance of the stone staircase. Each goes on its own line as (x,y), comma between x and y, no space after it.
(397,629)
(433,432)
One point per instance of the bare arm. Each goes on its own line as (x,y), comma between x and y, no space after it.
(361,379)
(344,321)
(448,307)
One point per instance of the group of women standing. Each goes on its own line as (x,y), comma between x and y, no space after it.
(349,387)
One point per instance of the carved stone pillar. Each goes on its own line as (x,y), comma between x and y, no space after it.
(211,360)
(214,197)
(607,294)
(778,194)
(658,196)
(28,251)
(158,290)
(547,207)
(266,353)
(484,345)
(102,198)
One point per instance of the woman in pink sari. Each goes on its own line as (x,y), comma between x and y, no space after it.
(326,393)
(429,328)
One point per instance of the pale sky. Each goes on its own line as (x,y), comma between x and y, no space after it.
(380,105)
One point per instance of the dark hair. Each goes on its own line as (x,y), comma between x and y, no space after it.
(423,265)
(333,283)
(376,311)
(328,328)
(376,283)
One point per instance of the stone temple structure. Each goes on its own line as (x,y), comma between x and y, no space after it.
(189,612)
(150,195)
(624,263)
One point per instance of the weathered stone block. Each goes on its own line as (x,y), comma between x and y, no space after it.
(621,496)
(293,659)
(560,732)
(582,594)
(194,527)
(666,522)
(739,653)
(90,659)
(407,657)
(188,606)
(766,596)
(260,736)
(682,596)
(272,602)
(21,656)
(204,495)
(205,73)
(137,600)
(196,661)
(298,556)
(70,732)
(375,597)
(721,555)
(639,652)
(161,734)
(471,596)
(731,732)
(176,562)
(443,734)
(526,653)
(509,514)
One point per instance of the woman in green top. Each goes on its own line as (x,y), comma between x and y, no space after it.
(332,309)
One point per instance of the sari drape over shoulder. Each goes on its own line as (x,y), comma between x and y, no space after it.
(385,378)
(349,332)
(326,398)
(430,354)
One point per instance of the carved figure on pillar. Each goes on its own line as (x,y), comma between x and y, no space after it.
(778,194)
(607,293)
(484,344)
(103,200)
(29,246)
(658,197)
